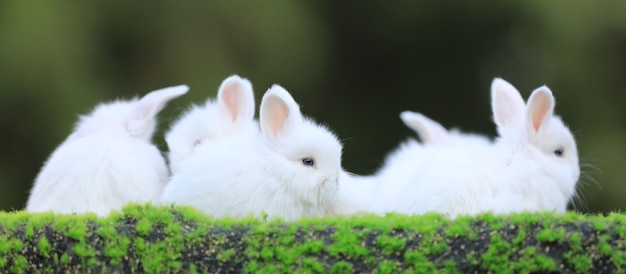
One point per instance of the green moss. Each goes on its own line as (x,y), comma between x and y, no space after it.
(419,262)
(116,249)
(342,267)
(83,250)
(225,255)
(8,245)
(144,227)
(533,261)
(76,230)
(450,267)
(498,254)
(552,235)
(620,231)
(107,231)
(147,238)
(542,263)
(575,241)
(619,257)
(311,248)
(348,242)
(520,238)
(287,256)
(461,227)
(65,259)
(471,259)
(43,245)
(312,266)
(387,267)
(252,266)
(581,263)
(20,263)
(603,246)
(267,253)
(599,224)
(29,230)
(390,245)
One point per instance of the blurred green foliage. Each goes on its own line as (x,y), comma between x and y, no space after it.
(352,66)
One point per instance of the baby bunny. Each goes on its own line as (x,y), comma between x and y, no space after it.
(532,166)
(231,114)
(289,169)
(107,161)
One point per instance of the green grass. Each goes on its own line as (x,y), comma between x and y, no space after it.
(146,238)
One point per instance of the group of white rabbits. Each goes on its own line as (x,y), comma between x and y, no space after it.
(225,163)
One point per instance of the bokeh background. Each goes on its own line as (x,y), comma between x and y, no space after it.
(353,66)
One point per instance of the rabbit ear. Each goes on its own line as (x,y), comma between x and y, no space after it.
(428,129)
(540,108)
(279,112)
(507,104)
(149,106)
(235,97)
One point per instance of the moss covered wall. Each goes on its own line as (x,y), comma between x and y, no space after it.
(152,239)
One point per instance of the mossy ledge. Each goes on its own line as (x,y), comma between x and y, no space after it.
(146,238)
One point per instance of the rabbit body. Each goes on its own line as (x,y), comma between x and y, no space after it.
(107,161)
(110,173)
(532,165)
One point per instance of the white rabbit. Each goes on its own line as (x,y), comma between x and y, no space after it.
(288,170)
(107,161)
(532,166)
(231,114)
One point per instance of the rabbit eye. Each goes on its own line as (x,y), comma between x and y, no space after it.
(558,152)
(308,161)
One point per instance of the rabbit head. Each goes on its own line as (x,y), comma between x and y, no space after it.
(309,155)
(538,133)
(232,113)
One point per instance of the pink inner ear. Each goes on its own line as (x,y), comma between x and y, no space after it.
(542,107)
(277,114)
(508,108)
(231,97)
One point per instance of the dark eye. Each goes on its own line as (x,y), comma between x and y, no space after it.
(308,161)
(558,152)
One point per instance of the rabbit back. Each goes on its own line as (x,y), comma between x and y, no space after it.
(98,174)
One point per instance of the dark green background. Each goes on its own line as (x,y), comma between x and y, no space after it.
(352,65)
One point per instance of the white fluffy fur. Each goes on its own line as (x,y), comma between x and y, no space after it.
(396,171)
(107,161)
(231,114)
(519,172)
(250,174)
(399,165)
(356,196)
